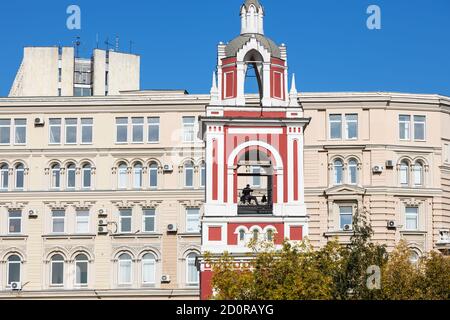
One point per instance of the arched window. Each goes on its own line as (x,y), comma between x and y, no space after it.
(81,270)
(255,235)
(4,175)
(241,235)
(203,174)
(404,173)
(14,269)
(269,235)
(189,174)
(153,175)
(192,272)
(414,257)
(56,176)
(353,171)
(20,176)
(137,175)
(71,174)
(149,269)
(418,174)
(338,172)
(122,176)
(57,270)
(125,272)
(86,176)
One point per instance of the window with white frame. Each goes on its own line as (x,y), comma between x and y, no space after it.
(405,127)
(149,269)
(345,216)
(189,174)
(188,129)
(81,270)
(137,175)
(419,128)
(192,277)
(153,129)
(137,129)
(414,257)
(20,176)
(121,130)
(20,131)
(255,234)
(338,171)
(351,126)
(148,216)
(71,130)
(418,174)
(4,176)
(153,175)
(15,222)
(5,131)
(241,236)
(125,269)
(58,221)
(270,235)
(412,218)
(192,220)
(335,126)
(256,180)
(14,267)
(56,176)
(125,216)
(71,176)
(86,176)
(404,173)
(82,221)
(87,130)
(55,131)
(353,171)
(122,176)
(203,174)
(57,270)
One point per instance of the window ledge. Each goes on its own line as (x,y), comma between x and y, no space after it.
(137,235)
(331,234)
(69,236)
(13,237)
(190,234)
(413,232)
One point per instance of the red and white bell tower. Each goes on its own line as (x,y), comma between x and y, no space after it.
(254,140)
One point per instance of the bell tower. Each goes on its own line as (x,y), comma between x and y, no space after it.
(254,149)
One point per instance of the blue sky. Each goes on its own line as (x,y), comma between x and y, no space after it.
(329,46)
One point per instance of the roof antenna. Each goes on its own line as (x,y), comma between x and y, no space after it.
(77,44)
(96,39)
(108,44)
(131,45)
(117,43)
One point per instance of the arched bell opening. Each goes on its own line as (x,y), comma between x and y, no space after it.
(253,73)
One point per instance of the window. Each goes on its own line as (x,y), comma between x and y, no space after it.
(5,131)
(419,127)
(86,130)
(125,264)
(123,176)
(404,173)
(335,126)
(56,176)
(82,221)
(149,220)
(405,127)
(418,174)
(269,235)
(241,235)
(14,222)
(71,176)
(20,131)
(82,92)
(412,218)
(338,172)
(20,176)
(71,131)
(256,179)
(153,175)
(193,220)
(414,257)
(122,130)
(353,171)
(58,221)
(14,269)
(255,235)
(4,177)
(192,272)
(153,130)
(148,269)
(125,220)
(57,270)
(188,129)
(351,126)
(137,176)
(189,174)
(345,216)
(203,174)
(81,270)
(55,131)
(138,129)
(86,176)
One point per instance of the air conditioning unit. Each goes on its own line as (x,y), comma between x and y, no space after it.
(103,229)
(391,224)
(389,164)
(165,279)
(16,286)
(172,228)
(32,214)
(347,227)
(39,121)
(102,213)
(377,169)
(168,168)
